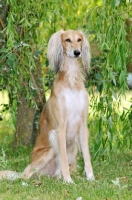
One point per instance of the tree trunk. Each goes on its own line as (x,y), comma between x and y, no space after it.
(28,117)
(3,15)
(129,39)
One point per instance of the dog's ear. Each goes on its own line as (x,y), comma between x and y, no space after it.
(86,57)
(55,51)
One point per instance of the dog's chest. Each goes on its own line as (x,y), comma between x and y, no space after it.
(75,101)
(75,105)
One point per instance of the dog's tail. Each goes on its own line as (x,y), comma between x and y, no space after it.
(9,175)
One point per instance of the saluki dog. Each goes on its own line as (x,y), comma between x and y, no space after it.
(63,122)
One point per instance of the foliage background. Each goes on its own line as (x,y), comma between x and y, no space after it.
(29,27)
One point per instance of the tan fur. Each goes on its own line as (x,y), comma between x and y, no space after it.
(63,122)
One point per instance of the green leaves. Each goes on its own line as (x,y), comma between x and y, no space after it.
(30,25)
(11,61)
(108,23)
(3,50)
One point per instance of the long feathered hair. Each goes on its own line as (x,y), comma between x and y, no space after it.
(55,51)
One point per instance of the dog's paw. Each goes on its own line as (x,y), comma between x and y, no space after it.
(24,176)
(90,177)
(69,180)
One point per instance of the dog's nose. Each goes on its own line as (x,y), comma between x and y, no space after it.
(76,53)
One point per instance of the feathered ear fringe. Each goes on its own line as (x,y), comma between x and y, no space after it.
(55,51)
(86,57)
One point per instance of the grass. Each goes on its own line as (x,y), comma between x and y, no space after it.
(7,130)
(113,176)
(113,180)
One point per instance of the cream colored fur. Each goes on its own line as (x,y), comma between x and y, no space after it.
(63,122)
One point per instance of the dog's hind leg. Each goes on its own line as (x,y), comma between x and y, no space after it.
(38,164)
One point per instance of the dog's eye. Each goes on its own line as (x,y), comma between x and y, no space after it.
(79,40)
(68,40)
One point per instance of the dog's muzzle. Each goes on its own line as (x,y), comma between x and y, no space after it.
(77,53)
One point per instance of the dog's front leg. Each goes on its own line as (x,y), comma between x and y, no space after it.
(63,155)
(59,116)
(83,139)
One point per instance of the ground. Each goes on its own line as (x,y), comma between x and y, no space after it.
(113,180)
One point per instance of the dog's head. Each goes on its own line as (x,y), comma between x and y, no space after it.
(70,43)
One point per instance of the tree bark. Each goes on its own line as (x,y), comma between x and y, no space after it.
(3,15)
(129,39)
(27,117)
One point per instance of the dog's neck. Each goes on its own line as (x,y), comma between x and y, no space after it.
(71,72)
(70,64)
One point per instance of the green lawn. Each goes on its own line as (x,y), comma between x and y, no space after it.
(113,176)
(113,180)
